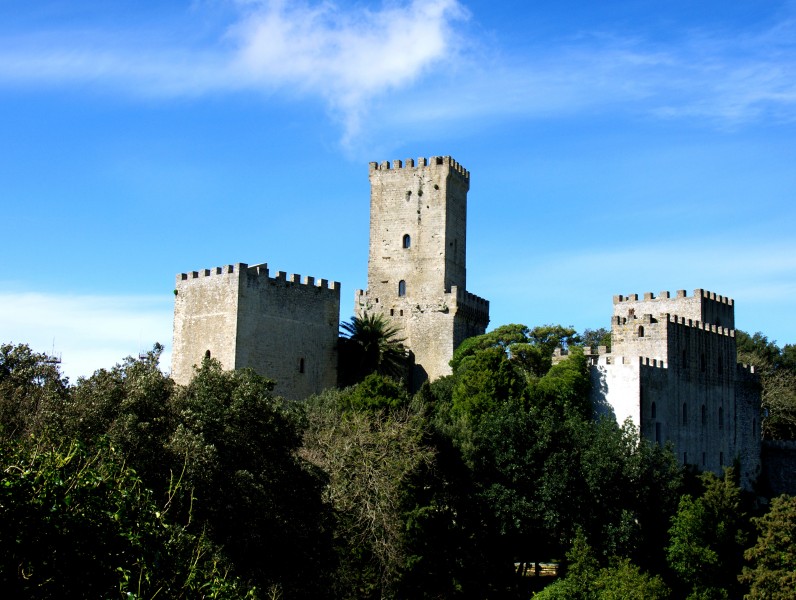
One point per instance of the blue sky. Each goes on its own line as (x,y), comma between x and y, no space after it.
(614,148)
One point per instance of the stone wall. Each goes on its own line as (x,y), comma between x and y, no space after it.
(674,374)
(282,327)
(779,465)
(417,260)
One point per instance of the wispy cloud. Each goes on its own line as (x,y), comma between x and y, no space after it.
(352,57)
(89,332)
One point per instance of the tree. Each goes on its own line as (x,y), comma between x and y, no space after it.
(772,574)
(237,445)
(372,460)
(74,524)
(32,392)
(708,535)
(585,580)
(371,345)
(777,369)
(531,350)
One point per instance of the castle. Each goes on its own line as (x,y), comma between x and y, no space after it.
(288,329)
(672,369)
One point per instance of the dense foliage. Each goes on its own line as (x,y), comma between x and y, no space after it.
(126,485)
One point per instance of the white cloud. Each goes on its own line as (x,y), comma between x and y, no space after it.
(89,332)
(353,57)
(347,57)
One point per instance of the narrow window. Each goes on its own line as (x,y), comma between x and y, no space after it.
(702,362)
(685,458)
(721,418)
(402,288)
(685,414)
(640,331)
(721,459)
(392,312)
(654,411)
(704,415)
(207,353)
(301,365)
(400,313)
(658,433)
(407,241)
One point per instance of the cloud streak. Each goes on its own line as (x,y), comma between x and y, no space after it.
(352,57)
(89,332)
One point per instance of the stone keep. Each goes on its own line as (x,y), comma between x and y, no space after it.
(281,327)
(672,370)
(417,261)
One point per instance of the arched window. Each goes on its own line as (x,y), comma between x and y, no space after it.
(207,353)
(407,241)
(402,288)
(721,418)
(685,414)
(640,331)
(654,411)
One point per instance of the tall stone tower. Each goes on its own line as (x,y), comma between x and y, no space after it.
(417,263)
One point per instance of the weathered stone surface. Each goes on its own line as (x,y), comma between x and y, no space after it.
(281,327)
(417,260)
(672,371)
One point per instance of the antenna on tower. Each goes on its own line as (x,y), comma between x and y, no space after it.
(53,358)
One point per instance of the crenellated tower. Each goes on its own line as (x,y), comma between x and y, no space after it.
(283,327)
(673,371)
(417,273)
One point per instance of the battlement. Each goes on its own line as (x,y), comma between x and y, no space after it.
(261,271)
(665,295)
(465,297)
(700,325)
(432,162)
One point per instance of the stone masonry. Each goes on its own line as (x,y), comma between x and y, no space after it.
(282,327)
(417,261)
(672,371)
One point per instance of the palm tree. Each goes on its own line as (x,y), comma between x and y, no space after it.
(371,346)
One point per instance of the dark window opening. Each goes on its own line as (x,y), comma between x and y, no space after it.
(721,418)
(685,458)
(207,353)
(402,288)
(658,433)
(640,331)
(392,312)
(685,414)
(401,313)
(301,365)
(721,459)
(654,411)
(407,243)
